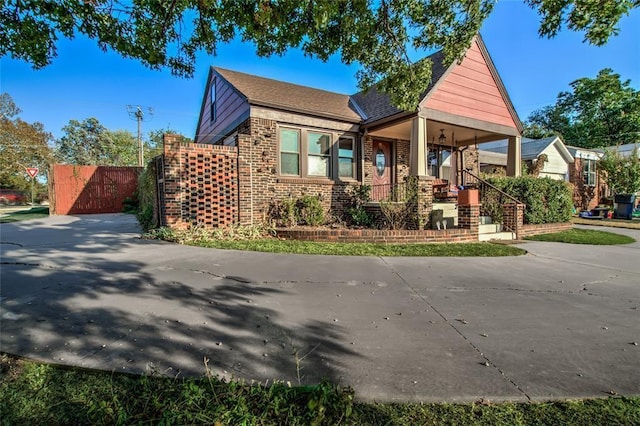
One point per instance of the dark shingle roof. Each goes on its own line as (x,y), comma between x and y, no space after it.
(376,105)
(292,97)
(531,148)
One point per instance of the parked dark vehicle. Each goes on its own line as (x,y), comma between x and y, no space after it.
(12,197)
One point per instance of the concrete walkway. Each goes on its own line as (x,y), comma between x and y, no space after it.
(560,322)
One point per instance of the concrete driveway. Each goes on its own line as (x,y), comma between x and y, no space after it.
(562,321)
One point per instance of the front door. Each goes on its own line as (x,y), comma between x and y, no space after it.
(381,170)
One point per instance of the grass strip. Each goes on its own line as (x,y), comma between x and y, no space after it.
(36,393)
(272,245)
(584,236)
(32,213)
(612,223)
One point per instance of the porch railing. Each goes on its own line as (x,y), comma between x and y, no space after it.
(492,199)
(389,192)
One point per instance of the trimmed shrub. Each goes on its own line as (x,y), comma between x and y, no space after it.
(547,200)
(306,210)
(309,211)
(283,213)
(355,211)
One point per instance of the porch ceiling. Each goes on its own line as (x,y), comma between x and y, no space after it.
(462,135)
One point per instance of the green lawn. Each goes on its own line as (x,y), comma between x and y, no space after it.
(364,249)
(584,236)
(613,223)
(35,393)
(32,213)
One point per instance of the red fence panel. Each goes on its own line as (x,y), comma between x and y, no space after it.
(91,189)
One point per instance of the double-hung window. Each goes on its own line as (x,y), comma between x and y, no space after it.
(589,172)
(346,157)
(317,154)
(289,152)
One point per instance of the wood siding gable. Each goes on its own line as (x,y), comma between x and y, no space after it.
(232,108)
(473,89)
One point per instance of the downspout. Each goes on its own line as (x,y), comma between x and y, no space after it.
(250,183)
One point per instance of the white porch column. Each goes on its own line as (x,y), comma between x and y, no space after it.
(514,156)
(418,152)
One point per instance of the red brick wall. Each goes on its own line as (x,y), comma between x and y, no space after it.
(402,150)
(200,184)
(260,184)
(584,197)
(379,236)
(546,228)
(470,159)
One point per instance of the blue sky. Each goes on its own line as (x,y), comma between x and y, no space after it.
(85,82)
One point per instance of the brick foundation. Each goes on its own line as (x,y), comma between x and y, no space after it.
(378,236)
(546,228)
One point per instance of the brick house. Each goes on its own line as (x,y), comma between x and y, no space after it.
(589,189)
(260,140)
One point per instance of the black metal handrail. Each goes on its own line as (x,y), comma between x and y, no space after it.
(492,199)
(396,192)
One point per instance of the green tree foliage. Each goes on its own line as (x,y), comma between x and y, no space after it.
(622,173)
(153,146)
(535,131)
(375,34)
(598,112)
(90,143)
(22,145)
(597,19)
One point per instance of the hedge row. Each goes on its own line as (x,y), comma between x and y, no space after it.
(547,200)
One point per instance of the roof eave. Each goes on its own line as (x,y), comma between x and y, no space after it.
(259,103)
(399,116)
(562,148)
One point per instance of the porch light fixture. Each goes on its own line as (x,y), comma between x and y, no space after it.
(442,139)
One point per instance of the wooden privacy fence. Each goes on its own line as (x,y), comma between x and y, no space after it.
(90,189)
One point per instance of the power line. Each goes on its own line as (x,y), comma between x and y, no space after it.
(136,113)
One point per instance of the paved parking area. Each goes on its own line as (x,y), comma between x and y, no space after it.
(560,322)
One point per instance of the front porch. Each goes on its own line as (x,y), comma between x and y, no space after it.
(440,157)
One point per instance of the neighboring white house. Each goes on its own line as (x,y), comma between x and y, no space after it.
(559,159)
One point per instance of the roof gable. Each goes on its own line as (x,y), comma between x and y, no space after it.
(377,105)
(479,90)
(473,89)
(261,91)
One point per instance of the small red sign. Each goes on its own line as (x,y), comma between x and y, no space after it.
(32,171)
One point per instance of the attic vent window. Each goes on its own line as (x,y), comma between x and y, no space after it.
(214,108)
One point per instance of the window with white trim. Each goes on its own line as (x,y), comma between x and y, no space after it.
(589,172)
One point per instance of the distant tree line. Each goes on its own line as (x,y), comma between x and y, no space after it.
(85,142)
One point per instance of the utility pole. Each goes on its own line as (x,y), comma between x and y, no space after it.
(136,113)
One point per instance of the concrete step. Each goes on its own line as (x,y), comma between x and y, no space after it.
(490,228)
(485,220)
(448,209)
(497,236)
